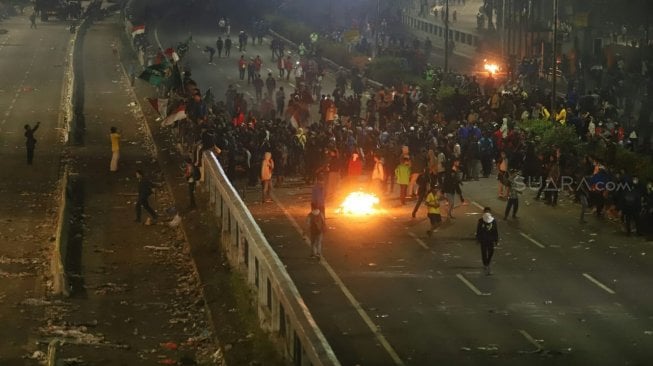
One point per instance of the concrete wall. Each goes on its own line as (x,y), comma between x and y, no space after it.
(281,309)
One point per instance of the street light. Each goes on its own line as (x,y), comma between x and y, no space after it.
(446,36)
(554,68)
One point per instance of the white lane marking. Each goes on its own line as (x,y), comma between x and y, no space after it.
(471,286)
(532,240)
(418,240)
(477,205)
(352,300)
(530,339)
(598,283)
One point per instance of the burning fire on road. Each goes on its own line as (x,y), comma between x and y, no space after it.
(359,204)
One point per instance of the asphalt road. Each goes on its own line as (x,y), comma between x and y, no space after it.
(385,294)
(32,62)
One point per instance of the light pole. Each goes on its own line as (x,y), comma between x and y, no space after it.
(554,68)
(446,36)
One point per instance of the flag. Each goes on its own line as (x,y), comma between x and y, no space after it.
(175,81)
(160,105)
(138,29)
(177,114)
(171,54)
(156,74)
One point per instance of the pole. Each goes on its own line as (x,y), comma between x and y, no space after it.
(554,68)
(446,36)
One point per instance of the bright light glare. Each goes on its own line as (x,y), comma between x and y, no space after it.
(491,68)
(359,204)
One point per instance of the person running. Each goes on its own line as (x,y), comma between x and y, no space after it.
(487,234)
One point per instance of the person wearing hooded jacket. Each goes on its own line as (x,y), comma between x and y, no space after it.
(487,234)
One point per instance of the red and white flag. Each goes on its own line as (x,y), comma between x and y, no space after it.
(138,29)
(178,114)
(160,105)
(171,54)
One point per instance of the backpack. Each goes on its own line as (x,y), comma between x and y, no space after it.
(485,145)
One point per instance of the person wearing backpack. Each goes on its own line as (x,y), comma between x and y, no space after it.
(316,227)
(192,175)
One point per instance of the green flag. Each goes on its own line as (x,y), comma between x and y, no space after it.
(155,74)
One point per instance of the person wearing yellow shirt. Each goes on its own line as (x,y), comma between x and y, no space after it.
(115,149)
(561,116)
(433,205)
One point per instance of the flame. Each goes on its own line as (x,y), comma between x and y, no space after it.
(359,204)
(491,68)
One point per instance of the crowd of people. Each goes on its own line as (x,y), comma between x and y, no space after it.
(403,136)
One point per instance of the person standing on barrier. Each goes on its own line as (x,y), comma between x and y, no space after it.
(114,136)
(30,141)
(145,190)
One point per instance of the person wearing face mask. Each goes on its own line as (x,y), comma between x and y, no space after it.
(487,234)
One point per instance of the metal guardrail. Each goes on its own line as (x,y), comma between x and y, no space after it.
(281,309)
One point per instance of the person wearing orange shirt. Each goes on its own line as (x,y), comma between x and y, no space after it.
(115,149)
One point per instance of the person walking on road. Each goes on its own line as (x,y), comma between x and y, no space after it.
(219,45)
(270,84)
(145,189)
(32,20)
(114,136)
(267,166)
(513,196)
(316,227)
(280,98)
(487,234)
(227,47)
(30,141)
(242,67)
(258,87)
(433,203)
(423,187)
